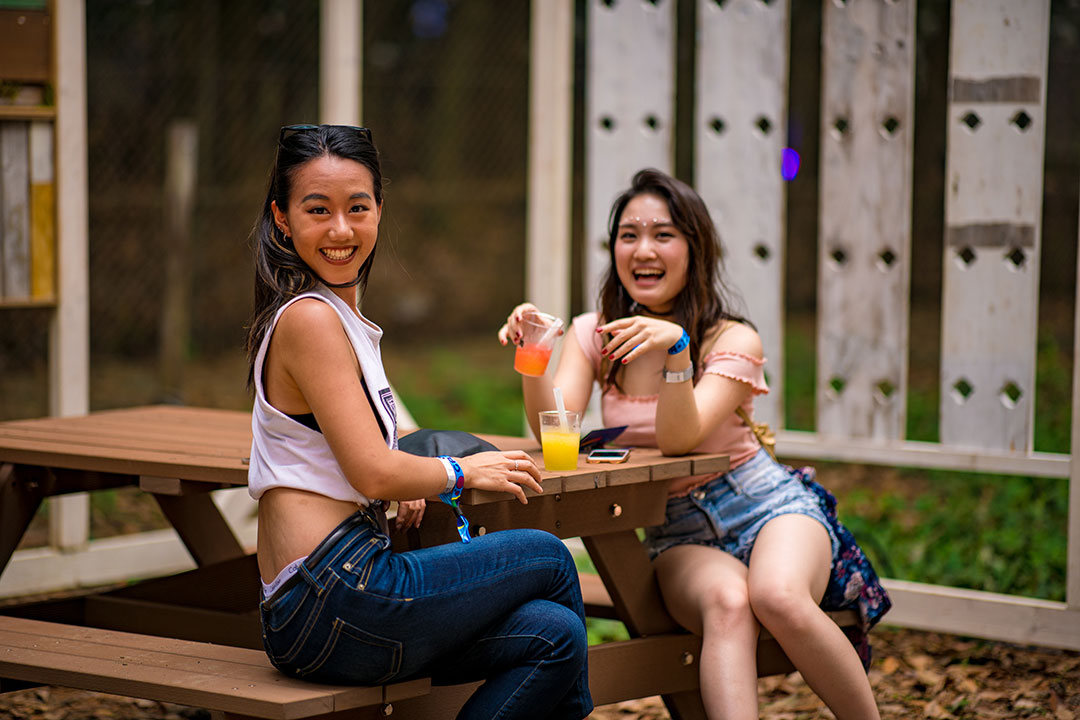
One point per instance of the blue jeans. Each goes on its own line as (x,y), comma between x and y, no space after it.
(505,608)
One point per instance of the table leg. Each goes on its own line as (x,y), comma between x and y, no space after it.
(624,566)
(20,497)
(201,527)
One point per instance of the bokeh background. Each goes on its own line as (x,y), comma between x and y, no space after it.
(445,91)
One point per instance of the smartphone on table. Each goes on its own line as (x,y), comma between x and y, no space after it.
(608,455)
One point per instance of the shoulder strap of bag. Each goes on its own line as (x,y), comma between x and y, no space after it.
(762,432)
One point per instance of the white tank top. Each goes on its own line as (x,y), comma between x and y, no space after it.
(286,453)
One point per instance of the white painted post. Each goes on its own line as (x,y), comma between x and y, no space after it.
(741,130)
(1072,551)
(630,111)
(69,332)
(864,255)
(551,110)
(341,62)
(993,213)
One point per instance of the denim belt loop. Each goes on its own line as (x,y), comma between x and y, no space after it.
(310,578)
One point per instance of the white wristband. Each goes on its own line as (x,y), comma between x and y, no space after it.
(451,476)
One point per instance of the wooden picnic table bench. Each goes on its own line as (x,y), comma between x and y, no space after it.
(179,454)
(240,682)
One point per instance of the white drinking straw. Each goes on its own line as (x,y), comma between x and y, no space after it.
(564,424)
(553,328)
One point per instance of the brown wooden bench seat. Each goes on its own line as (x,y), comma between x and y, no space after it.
(770,657)
(239,682)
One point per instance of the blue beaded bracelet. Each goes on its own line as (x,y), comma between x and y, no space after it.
(451,498)
(680,345)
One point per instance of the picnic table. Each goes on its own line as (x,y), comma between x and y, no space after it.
(179,454)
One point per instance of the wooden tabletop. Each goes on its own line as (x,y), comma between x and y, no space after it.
(212,446)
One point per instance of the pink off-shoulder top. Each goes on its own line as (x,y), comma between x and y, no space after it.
(638,412)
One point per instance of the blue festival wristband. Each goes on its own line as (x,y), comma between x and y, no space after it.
(451,498)
(680,345)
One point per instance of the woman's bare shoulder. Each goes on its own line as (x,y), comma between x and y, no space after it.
(737,337)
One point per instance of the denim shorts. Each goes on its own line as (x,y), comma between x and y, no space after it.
(729,511)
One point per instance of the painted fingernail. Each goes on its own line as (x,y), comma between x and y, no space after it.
(624,360)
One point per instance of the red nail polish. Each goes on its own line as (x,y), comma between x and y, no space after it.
(624,361)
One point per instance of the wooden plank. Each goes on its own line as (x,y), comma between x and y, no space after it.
(112,460)
(607,510)
(630,111)
(14,209)
(867,138)
(201,527)
(170,620)
(1072,532)
(101,562)
(993,213)
(25,46)
(27,112)
(741,130)
(981,614)
(207,442)
(804,445)
(203,675)
(18,503)
(42,213)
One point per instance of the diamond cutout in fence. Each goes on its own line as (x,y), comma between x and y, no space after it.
(890,126)
(1010,394)
(840,126)
(763,124)
(962,390)
(762,251)
(1016,257)
(966,255)
(837,384)
(1022,120)
(971,120)
(717,125)
(839,256)
(607,123)
(886,258)
(652,122)
(885,389)
(720,3)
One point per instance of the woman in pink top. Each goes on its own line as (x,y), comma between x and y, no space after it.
(758,545)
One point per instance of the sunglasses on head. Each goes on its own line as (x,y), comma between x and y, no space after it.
(289,130)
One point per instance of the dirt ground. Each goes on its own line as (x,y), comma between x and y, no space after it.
(914,675)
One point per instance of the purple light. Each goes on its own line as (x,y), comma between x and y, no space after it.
(789,164)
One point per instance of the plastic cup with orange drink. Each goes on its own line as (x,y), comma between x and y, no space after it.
(538,333)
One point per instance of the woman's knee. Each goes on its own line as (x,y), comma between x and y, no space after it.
(778,603)
(564,630)
(726,604)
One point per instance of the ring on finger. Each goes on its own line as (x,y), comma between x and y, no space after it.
(515,466)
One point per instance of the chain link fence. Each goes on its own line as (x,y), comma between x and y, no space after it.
(445,93)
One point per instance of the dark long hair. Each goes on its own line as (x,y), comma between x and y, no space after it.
(704,301)
(280,274)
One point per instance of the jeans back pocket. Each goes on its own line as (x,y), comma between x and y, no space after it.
(354,656)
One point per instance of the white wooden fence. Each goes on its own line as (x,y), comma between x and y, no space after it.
(995,136)
(998,69)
